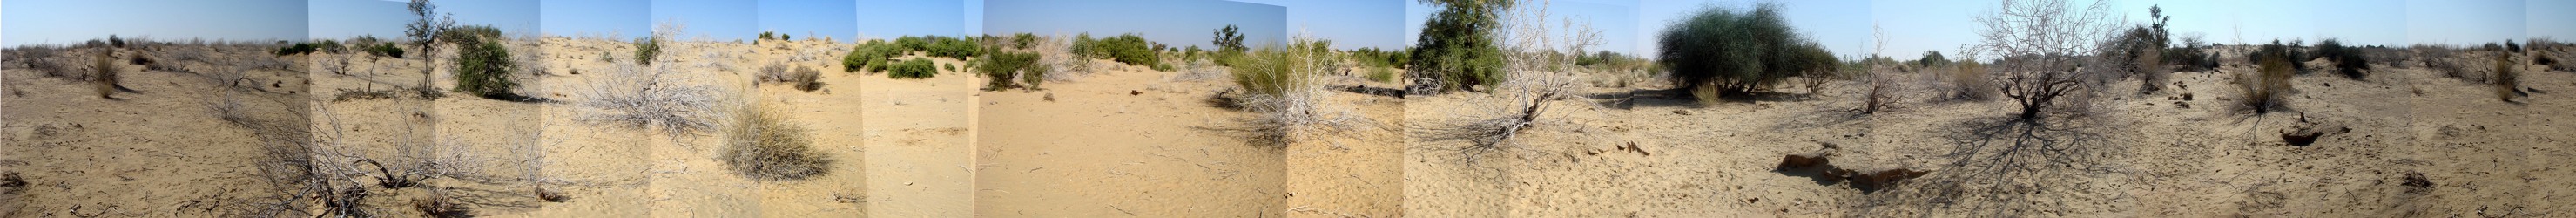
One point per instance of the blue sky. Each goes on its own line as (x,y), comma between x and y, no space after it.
(1179,23)
(69,22)
(887,19)
(800,18)
(341,19)
(606,18)
(712,20)
(1351,24)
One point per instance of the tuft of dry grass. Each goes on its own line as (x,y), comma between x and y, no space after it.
(2265,87)
(103,72)
(763,144)
(807,78)
(2507,77)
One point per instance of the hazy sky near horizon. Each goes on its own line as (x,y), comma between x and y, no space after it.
(71,22)
(617,19)
(817,18)
(1351,24)
(889,19)
(1618,20)
(1179,23)
(342,19)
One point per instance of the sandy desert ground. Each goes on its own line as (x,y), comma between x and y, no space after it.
(2406,141)
(230,130)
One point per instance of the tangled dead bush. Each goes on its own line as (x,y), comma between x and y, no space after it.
(652,98)
(763,144)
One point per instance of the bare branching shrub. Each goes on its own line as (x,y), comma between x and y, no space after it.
(1997,165)
(1537,79)
(774,72)
(806,78)
(652,98)
(2042,42)
(763,144)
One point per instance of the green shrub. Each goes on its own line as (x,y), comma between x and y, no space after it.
(1735,52)
(2348,60)
(1227,39)
(913,43)
(999,68)
(483,69)
(1086,47)
(917,68)
(1932,59)
(1023,40)
(870,56)
(387,49)
(2286,52)
(299,48)
(949,67)
(767,35)
(327,45)
(1274,71)
(952,47)
(762,144)
(1456,49)
(646,49)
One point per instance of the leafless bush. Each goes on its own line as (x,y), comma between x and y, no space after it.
(653,98)
(1536,82)
(774,72)
(762,143)
(2043,42)
(1999,165)
(1970,80)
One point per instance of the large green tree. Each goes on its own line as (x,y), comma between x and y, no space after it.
(1738,52)
(1457,50)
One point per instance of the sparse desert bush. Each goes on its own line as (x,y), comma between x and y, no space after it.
(2152,72)
(774,72)
(327,46)
(297,49)
(2348,60)
(652,98)
(2189,55)
(2508,77)
(1285,86)
(104,75)
(917,68)
(1125,48)
(2265,87)
(763,144)
(768,35)
(2286,52)
(484,70)
(1970,81)
(2042,43)
(1000,68)
(2508,46)
(807,78)
(1932,59)
(1456,50)
(1738,52)
(386,49)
